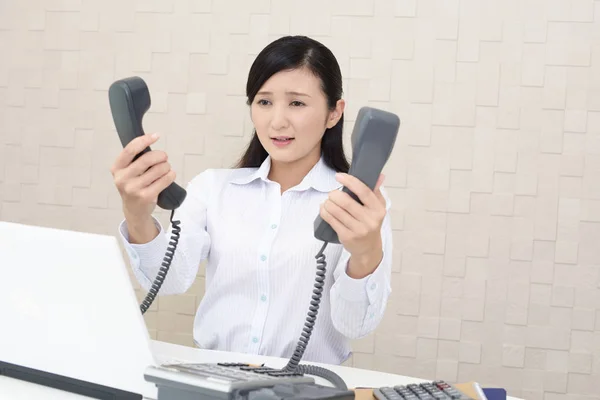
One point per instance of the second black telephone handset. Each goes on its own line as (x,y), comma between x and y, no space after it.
(373,139)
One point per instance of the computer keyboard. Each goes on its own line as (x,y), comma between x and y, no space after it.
(435,390)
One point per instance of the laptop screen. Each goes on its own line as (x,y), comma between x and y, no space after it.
(69,308)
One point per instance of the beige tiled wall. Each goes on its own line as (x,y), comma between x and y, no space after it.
(495,179)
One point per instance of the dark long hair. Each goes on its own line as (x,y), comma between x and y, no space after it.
(291,52)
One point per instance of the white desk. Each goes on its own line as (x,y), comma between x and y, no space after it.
(354,377)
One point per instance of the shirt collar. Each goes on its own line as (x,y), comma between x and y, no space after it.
(321,177)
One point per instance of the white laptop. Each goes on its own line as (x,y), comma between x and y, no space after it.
(67,307)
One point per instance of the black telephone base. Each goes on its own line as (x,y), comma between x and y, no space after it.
(278,392)
(229,381)
(301,391)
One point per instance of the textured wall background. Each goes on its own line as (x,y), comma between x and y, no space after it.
(495,179)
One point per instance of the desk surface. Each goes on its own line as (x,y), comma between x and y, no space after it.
(354,377)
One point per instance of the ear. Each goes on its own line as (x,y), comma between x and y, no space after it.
(336,113)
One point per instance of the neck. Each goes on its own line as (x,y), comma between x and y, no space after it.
(290,174)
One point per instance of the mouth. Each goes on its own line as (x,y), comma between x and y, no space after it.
(282,139)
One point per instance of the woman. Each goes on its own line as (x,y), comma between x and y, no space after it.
(254,223)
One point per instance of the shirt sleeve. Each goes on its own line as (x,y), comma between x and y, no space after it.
(193,245)
(358,305)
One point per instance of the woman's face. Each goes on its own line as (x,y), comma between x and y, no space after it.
(290,115)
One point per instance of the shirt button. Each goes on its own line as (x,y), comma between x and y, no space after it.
(273,226)
(263,297)
(254,339)
(373,286)
(263,257)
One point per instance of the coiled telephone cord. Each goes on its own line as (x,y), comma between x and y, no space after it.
(313,310)
(164,269)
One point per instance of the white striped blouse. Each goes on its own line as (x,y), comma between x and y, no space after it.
(260,250)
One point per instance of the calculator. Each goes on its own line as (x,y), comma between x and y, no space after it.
(435,390)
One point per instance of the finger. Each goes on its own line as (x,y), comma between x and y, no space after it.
(337,226)
(351,223)
(142,164)
(146,179)
(362,191)
(158,185)
(379,182)
(132,149)
(347,203)
(378,189)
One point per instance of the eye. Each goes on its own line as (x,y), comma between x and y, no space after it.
(297,103)
(262,102)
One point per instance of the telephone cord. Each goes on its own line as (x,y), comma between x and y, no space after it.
(294,362)
(164,269)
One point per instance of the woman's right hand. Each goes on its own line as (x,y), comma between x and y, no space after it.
(139,182)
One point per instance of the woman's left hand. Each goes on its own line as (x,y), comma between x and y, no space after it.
(358,226)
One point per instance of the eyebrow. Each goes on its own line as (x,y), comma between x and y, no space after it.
(289,92)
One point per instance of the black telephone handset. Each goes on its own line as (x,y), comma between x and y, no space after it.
(129,100)
(373,139)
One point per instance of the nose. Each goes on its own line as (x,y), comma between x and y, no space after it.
(279,119)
